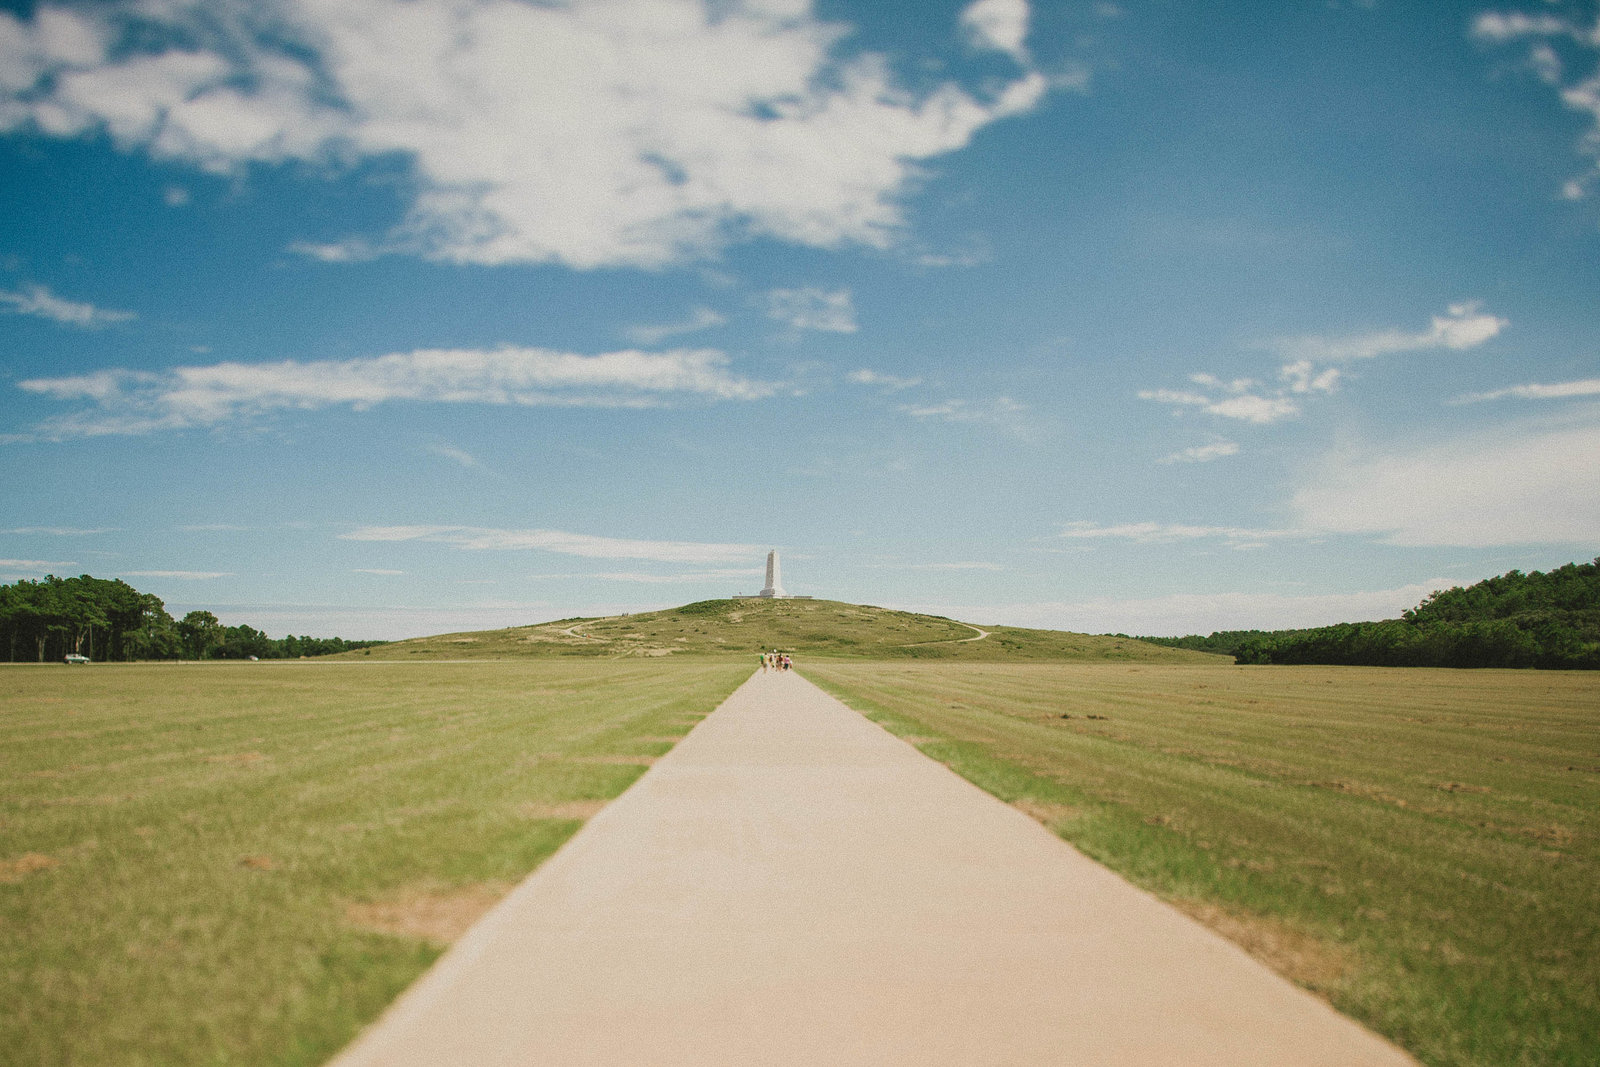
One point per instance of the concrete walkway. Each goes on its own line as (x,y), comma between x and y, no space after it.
(793,885)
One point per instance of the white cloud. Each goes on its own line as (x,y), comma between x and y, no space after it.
(1248,407)
(33,566)
(689,577)
(1157,533)
(958,565)
(571,544)
(197,576)
(382,572)
(1202,453)
(592,133)
(1198,613)
(1537,391)
(135,402)
(699,319)
(1531,482)
(454,455)
(1246,400)
(884,381)
(60,531)
(39,301)
(810,308)
(1001,410)
(998,25)
(1463,327)
(1303,377)
(1581,93)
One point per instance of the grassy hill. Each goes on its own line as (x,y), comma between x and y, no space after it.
(804,628)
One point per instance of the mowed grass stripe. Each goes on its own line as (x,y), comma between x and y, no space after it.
(244,863)
(1421,847)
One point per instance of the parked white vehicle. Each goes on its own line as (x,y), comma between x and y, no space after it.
(75,658)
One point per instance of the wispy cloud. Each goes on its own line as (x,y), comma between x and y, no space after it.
(1000,411)
(1243,405)
(1463,327)
(1527,482)
(998,25)
(957,565)
(1548,34)
(455,455)
(1202,453)
(60,531)
(882,381)
(1536,391)
(33,566)
(194,576)
(635,577)
(700,318)
(382,572)
(1305,375)
(1157,533)
(571,544)
(41,302)
(137,402)
(679,126)
(810,308)
(1198,613)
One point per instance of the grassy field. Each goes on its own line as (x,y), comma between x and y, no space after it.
(808,628)
(245,863)
(1421,847)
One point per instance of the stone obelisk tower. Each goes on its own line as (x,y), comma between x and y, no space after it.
(774,586)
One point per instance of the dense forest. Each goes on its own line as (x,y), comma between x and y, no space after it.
(108,619)
(1541,619)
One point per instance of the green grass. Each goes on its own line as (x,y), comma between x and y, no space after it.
(807,628)
(181,847)
(1421,847)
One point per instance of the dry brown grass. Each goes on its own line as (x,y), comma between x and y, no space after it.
(428,913)
(1297,954)
(570,809)
(14,871)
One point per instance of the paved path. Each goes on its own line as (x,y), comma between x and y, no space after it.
(793,885)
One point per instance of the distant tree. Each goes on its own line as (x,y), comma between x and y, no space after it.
(201,632)
(1512,620)
(110,619)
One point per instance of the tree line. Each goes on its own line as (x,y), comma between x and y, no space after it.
(108,619)
(1548,619)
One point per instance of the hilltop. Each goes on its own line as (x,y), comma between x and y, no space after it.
(826,628)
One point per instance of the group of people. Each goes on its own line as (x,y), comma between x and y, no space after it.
(775,661)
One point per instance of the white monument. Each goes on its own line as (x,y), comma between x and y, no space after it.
(774,587)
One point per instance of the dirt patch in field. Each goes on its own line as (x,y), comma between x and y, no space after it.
(1293,953)
(1551,834)
(566,809)
(12,871)
(427,913)
(1048,813)
(242,759)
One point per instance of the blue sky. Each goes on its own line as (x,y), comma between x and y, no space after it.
(390,318)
